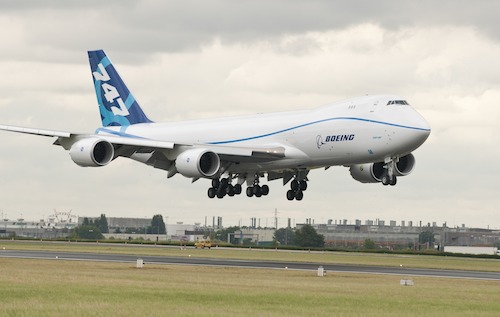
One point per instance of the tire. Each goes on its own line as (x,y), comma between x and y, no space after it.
(221,193)
(385,179)
(290,195)
(230,190)
(237,189)
(265,190)
(303,185)
(257,191)
(215,183)
(393,181)
(250,191)
(299,195)
(211,192)
(294,185)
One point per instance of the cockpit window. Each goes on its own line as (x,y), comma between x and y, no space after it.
(397,102)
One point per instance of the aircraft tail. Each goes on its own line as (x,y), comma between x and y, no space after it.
(116,104)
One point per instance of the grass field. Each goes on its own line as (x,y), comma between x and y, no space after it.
(69,288)
(74,288)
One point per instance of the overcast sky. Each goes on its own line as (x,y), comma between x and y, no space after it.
(200,59)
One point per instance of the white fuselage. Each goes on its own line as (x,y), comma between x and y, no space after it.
(354,131)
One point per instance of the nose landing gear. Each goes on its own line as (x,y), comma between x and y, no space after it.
(389,176)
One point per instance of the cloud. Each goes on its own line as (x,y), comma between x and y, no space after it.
(137,28)
(190,60)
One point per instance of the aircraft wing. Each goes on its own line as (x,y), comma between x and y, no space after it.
(66,139)
(226,153)
(131,145)
(41,132)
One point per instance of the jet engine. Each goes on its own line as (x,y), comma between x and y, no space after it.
(92,152)
(198,163)
(372,172)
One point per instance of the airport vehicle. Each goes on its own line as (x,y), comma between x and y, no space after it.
(202,244)
(372,135)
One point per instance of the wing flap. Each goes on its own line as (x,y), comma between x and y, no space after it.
(145,145)
(246,154)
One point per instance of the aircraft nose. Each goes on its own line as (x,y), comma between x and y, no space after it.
(423,130)
(424,125)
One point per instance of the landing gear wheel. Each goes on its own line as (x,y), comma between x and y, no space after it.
(224,182)
(230,190)
(385,180)
(294,185)
(211,192)
(290,195)
(250,191)
(237,189)
(257,191)
(303,185)
(265,190)
(215,183)
(299,195)
(220,194)
(393,181)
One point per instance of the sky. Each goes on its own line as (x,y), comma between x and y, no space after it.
(202,59)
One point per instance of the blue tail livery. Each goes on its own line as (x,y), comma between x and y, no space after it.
(117,105)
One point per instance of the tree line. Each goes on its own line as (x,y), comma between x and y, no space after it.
(306,236)
(92,229)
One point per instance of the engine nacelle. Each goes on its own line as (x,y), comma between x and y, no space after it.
(92,152)
(405,165)
(372,172)
(197,163)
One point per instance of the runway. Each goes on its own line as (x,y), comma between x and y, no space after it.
(187,260)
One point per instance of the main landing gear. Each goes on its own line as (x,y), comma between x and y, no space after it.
(296,190)
(257,190)
(223,187)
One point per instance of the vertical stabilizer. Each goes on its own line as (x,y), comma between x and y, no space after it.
(116,104)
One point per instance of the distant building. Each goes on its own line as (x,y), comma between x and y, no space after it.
(41,229)
(470,237)
(256,236)
(337,233)
(343,235)
(175,231)
(62,219)
(121,222)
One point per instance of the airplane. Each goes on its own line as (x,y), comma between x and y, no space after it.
(374,136)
